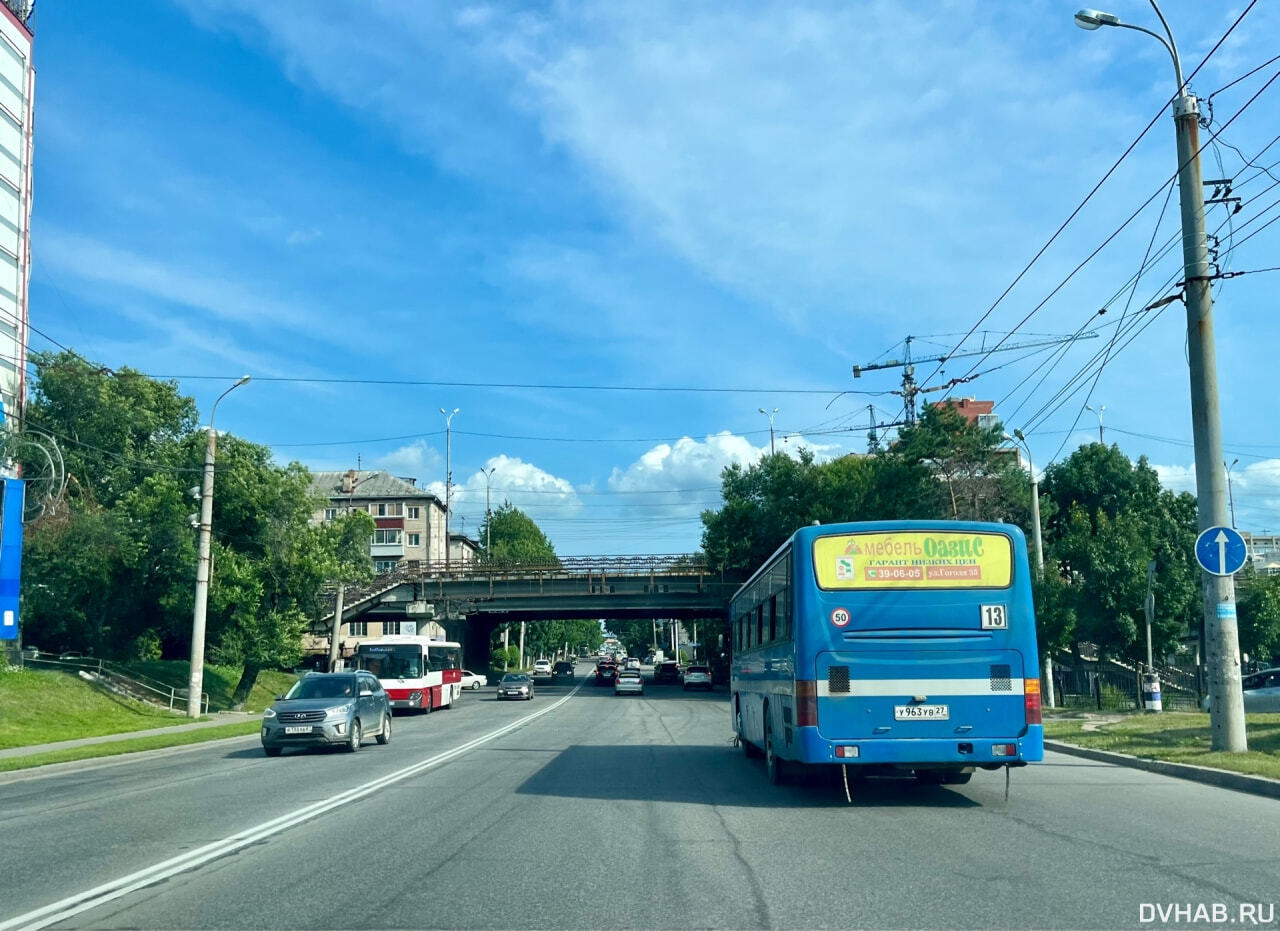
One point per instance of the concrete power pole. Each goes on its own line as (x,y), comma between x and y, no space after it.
(1226,703)
(1222,637)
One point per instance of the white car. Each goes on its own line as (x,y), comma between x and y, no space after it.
(473,680)
(542,667)
(1261,691)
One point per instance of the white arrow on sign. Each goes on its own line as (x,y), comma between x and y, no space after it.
(1221,540)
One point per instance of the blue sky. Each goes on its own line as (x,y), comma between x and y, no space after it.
(516,199)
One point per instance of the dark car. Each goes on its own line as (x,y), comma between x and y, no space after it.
(666,673)
(326,709)
(515,685)
(563,670)
(606,673)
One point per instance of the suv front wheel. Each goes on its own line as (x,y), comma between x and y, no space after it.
(354,736)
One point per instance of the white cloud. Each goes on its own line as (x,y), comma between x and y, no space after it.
(536,492)
(414,460)
(303,237)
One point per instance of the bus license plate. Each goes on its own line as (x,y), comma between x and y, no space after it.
(921,712)
(302,729)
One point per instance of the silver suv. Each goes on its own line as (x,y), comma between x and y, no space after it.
(328,709)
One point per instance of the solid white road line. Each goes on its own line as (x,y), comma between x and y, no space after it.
(100,895)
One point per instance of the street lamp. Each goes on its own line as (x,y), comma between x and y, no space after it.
(488,513)
(770,415)
(1231,497)
(1099,411)
(1019,438)
(448,476)
(195,681)
(1222,639)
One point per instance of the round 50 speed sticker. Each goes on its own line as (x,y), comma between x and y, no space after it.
(840,617)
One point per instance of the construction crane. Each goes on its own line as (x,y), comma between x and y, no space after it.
(908,365)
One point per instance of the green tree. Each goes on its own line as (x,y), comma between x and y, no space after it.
(1259,606)
(114,428)
(1109,519)
(514,537)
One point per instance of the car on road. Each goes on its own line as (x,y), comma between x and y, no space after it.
(606,672)
(328,709)
(629,682)
(632,663)
(515,685)
(666,673)
(473,680)
(697,677)
(542,667)
(30,653)
(1261,691)
(563,670)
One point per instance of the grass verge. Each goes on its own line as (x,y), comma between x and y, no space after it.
(134,745)
(44,706)
(219,681)
(1175,736)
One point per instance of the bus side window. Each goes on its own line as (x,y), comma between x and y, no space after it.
(773,618)
(760,623)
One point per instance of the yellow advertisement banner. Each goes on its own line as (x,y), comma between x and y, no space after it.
(935,559)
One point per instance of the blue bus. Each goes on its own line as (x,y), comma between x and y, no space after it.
(903,646)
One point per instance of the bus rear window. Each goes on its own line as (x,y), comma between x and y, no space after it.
(914,559)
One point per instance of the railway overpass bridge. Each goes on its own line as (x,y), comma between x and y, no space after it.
(471,599)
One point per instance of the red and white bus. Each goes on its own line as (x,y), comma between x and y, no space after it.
(418,673)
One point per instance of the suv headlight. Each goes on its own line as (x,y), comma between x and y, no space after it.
(339,711)
(268,714)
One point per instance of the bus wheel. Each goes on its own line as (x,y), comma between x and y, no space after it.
(751,750)
(774,768)
(426,706)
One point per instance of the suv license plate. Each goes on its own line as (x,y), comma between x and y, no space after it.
(921,712)
(298,729)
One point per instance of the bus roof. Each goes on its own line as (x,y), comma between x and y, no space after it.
(808,533)
(392,639)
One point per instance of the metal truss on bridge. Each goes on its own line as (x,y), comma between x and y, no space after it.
(661,585)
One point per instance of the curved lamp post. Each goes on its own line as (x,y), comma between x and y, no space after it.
(770,415)
(195,681)
(1099,411)
(448,476)
(1222,639)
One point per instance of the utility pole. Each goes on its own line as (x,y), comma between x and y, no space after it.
(195,679)
(1222,635)
(1039,544)
(1231,496)
(448,479)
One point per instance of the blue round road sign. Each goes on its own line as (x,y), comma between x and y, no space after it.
(1221,551)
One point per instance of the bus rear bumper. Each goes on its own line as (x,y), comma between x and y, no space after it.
(964,750)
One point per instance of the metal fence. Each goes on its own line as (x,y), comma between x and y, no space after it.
(124,682)
(1111,685)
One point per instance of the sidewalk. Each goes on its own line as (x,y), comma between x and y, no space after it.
(1222,778)
(216,720)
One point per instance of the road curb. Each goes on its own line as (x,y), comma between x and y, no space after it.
(1241,782)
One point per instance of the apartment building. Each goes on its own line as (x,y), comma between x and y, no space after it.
(409,522)
(1263,550)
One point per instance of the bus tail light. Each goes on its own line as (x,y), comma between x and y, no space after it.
(846,753)
(806,703)
(1004,750)
(1031,692)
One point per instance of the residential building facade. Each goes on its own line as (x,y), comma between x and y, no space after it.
(409,522)
(17,92)
(1263,550)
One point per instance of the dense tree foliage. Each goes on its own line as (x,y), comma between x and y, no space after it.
(1259,607)
(1110,518)
(943,467)
(114,570)
(1104,518)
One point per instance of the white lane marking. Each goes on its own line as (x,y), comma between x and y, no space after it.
(107,892)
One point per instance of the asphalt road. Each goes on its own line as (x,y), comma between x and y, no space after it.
(613,812)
